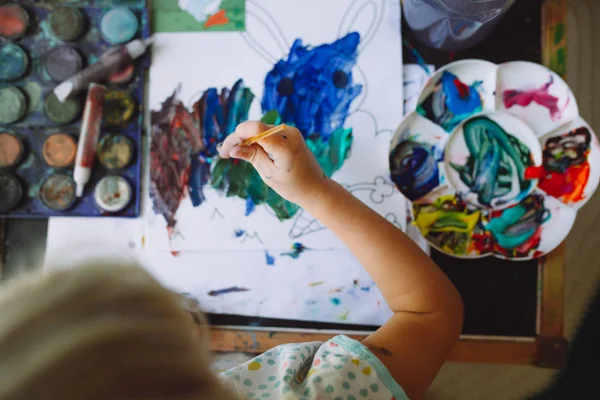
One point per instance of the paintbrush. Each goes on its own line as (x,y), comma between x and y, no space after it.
(263,135)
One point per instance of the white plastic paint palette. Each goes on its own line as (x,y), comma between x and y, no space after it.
(495,160)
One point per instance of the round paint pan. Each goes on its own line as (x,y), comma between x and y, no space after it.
(11,149)
(14,21)
(13,104)
(62,113)
(416,156)
(112,193)
(115,152)
(66,23)
(536,95)
(59,150)
(458,91)
(62,62)
(486,158)
(13,62)
(11,192)
(452,225)
(570,170)
(118,107)
(58,192)
(119,26)
(530,229)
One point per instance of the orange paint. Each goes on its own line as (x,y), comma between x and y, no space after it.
(219,18)
(567,187)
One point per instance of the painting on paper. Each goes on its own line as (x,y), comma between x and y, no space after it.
(198,15)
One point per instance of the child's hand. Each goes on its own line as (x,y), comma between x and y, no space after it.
(283,161)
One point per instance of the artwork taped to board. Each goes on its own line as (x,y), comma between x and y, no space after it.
(328,82)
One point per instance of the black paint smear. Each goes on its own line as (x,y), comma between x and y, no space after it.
(232,289)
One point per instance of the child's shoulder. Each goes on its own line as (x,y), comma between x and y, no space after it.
(340,366)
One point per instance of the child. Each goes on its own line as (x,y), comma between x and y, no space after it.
(109,332)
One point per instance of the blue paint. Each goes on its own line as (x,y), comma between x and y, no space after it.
(250,206)
(239,233)
(13,62)
(414,169)
(451,101)
(297,249)
(199,176)
(335,301)
(118,26)
(312,89)
(270,260)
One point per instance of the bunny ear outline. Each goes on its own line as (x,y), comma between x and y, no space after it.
(364,17)
(276,46)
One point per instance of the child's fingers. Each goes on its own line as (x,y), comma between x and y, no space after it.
(279,148)
(255,155)
(244,131)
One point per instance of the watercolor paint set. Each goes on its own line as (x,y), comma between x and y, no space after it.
(42,44)
(495,160)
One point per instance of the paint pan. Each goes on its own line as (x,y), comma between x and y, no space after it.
(63,62)
(66,23)
(118,107)
(11,192)
(59,150)
(486,158)
(11,149)
(112,193)
(13,104)
(62,113)
(119,26)
(13,62)
(535,94)
(457,91)
(14,21)
(58,192)
(115,152)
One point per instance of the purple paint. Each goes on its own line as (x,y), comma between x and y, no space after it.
(540,96)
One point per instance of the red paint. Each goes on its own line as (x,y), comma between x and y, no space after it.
(317,361)
(540,96)
(219,18)
(463,90)
(13,21)
(567,187)
(92,119)
(123,76)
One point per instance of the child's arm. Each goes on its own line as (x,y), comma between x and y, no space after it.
(428,313)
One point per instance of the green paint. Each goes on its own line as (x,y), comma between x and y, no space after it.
(13,105)
(243,180)
(62,113)
(559,33)
(66,23)
(167,16)
(34,94)
(559,62)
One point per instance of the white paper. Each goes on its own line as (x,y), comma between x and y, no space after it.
(199,61)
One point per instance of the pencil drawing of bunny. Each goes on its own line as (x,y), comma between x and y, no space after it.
(312,88)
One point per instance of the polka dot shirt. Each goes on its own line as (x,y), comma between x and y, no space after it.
(339,369)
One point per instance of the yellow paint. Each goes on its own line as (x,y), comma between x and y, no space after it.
(367,370)
(312,371)
(355,361)
(427,216)
(254,366)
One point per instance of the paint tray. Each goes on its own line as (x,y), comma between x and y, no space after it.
(33,170)
(495,160)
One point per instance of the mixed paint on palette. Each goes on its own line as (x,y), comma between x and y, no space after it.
(496,163)
(311,89)
(451,101)
(565,171)
(540,96)
(414,168)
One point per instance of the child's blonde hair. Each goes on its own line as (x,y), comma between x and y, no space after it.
(100,332)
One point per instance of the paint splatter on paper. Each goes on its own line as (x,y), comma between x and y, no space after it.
(296,250)
(233,289)
(269,259)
